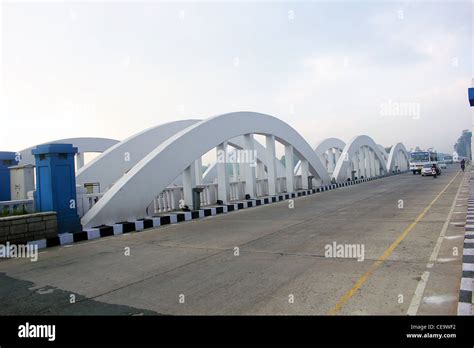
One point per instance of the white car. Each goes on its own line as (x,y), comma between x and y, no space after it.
(426,170)
(442,165)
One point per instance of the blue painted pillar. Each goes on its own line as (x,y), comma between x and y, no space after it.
(56,184)
(7,159)
(471,96)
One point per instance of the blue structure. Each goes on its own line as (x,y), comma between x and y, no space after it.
(471,96)
(56,184)
(7,159)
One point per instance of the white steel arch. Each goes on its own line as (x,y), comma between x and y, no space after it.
(361,155)
(111,165)
(329,152)
(383,152)
(398,159)
(324,151)
(86,144)
(134,191)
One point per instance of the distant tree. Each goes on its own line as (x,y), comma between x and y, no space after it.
(463,145)
(388,149)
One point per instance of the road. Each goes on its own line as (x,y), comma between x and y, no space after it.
(280,266)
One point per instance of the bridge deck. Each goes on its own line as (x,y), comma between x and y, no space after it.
(281,253)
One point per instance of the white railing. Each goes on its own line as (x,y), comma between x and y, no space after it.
(281,184)
(237,190)
(169,199)
(28,205)
(85,201)
(209,194)
(262,187)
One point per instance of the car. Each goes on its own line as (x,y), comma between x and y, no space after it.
(426,170)
(442,164)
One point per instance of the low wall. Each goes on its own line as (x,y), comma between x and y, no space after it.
(24,228)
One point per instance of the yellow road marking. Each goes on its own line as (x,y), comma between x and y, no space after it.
(347,296)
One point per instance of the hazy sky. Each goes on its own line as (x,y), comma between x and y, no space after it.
(328,69)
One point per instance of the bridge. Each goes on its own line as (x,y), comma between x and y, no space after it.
(155,171)
(279,257)
(270,259)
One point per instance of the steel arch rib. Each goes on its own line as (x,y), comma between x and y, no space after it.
(85,144)
(111,165)
(133,192)
(322,147)
(349,151)
(399,147)
(383,152)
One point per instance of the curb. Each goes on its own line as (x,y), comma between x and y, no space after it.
(176,217)
(466,299)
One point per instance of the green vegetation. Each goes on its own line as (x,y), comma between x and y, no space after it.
(21,210)
(463,145)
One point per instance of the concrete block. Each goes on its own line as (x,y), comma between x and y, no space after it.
(4,223)
(156,222)
(40,243)
(34,219)
(19,221)
(36,226)
(50,232)
(51,224)
(93,233)
(50,217)
(139,226)
(16,229)
(65,238)
(118,229)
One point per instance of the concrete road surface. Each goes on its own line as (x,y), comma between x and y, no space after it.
(271,259)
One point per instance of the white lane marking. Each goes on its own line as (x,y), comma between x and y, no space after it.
(434,254)
(439,299)
(454,237)
(420,289)
(449,259)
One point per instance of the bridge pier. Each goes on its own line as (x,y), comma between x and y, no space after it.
(198,165)
(189,182)
(79,160)
(289,168)
(271,164)
(222,179)
(357,165)
(304,174)
(250,178)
